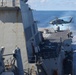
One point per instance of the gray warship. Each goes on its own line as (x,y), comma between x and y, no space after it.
(27,50)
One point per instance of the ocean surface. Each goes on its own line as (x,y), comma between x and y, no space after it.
(44,17)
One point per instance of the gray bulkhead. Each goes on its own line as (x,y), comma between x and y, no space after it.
(17,29)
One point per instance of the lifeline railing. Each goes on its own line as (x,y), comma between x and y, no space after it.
(8,3)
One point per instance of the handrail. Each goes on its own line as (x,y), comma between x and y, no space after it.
(4,3)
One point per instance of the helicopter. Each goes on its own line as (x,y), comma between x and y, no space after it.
(58,21)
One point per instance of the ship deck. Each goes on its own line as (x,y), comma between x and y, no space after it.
(57,36)
(51,45)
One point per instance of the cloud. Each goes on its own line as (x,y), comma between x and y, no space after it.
(43,1)
(52,5)
(30,1)
(67,2)
(36,1)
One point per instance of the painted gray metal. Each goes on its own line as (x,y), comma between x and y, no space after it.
(58,36)
(12,33)
(16,30)
(19,61)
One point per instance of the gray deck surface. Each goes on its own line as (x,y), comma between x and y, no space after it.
(57,36)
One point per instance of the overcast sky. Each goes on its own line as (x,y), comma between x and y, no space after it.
(52,4)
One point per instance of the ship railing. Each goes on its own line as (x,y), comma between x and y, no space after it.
(9,3)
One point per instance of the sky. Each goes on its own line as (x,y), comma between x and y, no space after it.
(52,4)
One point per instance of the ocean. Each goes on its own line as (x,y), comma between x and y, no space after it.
(44,17)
